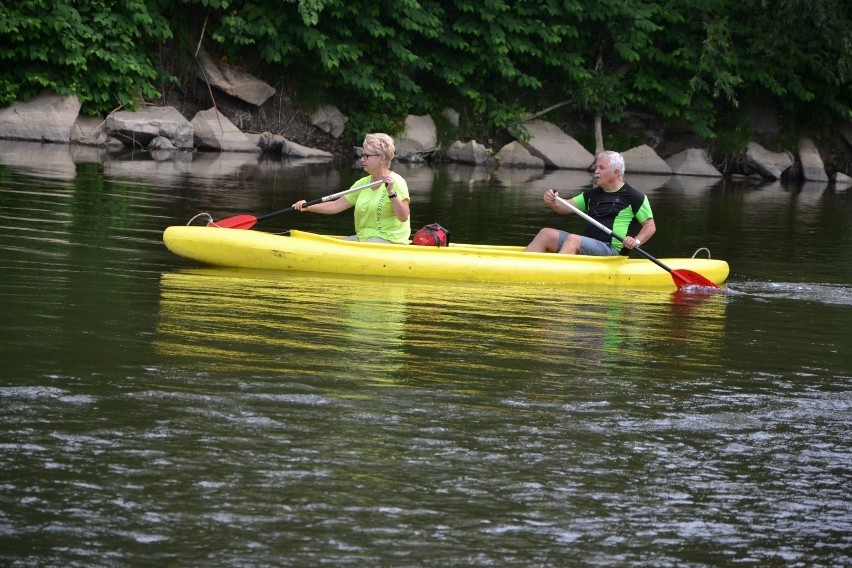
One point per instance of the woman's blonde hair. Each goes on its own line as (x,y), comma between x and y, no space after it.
(379,143)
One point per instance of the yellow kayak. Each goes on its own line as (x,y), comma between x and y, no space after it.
(302,251)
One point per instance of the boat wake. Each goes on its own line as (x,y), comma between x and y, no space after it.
(834,294)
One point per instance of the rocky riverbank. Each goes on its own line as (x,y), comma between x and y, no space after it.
(233,112)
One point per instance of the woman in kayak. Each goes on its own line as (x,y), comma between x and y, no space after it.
(382,213)
(613,203)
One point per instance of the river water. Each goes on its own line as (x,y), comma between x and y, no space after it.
(160,413)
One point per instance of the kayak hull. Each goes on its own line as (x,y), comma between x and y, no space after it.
(301,251)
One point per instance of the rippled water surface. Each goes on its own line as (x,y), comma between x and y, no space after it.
(159,413)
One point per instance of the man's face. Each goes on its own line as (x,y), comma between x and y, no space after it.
(604,176)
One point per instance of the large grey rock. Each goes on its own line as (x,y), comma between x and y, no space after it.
(328,118)
(233,82)
(140,127)
(277,144)
(295,150)
(467,152)
(558,150)
(693,162)
(515,155)
(47,117)
(89,131)
(842,179)
(643,159)
(419,137)
(213,131)
(812,167)
(768,164)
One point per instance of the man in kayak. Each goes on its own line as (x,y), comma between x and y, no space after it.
(382,213)
(612,202)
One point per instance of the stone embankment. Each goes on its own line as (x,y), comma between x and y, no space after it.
(162,130)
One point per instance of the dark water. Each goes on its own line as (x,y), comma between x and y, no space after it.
(158,413)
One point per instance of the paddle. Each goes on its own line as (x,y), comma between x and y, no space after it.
(681,277)
(248,221)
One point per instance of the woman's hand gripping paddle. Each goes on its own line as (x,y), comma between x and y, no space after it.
(681,277)
(248,221)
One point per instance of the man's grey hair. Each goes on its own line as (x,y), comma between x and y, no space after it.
(616,161)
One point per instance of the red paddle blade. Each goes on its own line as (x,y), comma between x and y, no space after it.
(235,222)
(689,278)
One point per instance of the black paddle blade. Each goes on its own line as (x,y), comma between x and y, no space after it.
(235,222)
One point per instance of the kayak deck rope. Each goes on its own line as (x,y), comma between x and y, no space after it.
(207,216)
(707,250)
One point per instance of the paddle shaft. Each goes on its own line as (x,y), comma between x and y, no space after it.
(331,197)
(603,227)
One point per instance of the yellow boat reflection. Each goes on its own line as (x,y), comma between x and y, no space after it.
(379,330)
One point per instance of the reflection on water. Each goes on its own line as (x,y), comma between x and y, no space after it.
(360,328)
(158,414)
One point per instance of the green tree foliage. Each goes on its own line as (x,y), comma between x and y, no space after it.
(799,55)
(496,60)
(100,51)
(493,60)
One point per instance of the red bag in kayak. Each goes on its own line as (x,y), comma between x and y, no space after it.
(432,235)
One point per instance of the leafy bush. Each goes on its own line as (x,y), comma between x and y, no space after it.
(492,60)
(96,50)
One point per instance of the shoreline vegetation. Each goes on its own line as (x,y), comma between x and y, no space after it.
(673,83)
